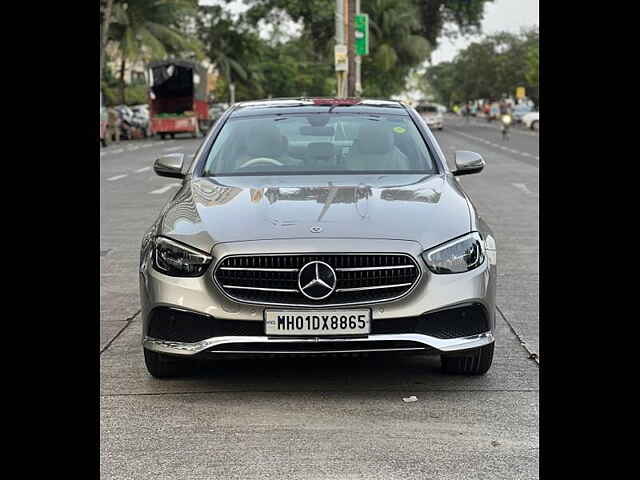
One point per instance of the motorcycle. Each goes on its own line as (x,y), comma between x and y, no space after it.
(506,122)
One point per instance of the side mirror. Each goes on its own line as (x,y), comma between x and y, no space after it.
(468,163)
(169,165)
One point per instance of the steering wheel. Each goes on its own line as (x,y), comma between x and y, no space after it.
(268,160)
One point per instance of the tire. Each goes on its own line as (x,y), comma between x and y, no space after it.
(472,362)
(103,141)
(166,366)
(173,135)
(535,125)
(163,136)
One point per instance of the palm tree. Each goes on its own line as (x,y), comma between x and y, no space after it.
(395,41)
(152,29)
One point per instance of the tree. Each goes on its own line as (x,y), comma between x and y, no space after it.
(152,29)
(490,68)
(436,15)
(395,46)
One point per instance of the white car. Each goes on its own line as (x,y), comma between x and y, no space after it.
(431,115)
(532,120)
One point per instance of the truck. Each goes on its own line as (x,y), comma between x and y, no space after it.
(178,98)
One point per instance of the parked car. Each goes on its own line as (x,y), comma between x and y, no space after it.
(216,110)
(315,226)
(132,125)
(431,115)
(532,120)
(141,119)
(519,111)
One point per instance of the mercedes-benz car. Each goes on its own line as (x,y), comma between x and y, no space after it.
(318,226)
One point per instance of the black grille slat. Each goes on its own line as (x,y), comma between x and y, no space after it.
(451,323)
(289,280)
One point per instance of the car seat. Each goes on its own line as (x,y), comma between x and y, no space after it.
(374,149)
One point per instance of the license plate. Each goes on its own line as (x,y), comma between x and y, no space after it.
(317,323)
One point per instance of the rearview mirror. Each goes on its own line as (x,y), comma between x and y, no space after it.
(169,165)
(468,163)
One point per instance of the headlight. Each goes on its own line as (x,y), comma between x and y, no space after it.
(178,260)
(457,256)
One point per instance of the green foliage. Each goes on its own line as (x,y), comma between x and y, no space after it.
(402,36)
(489,69)
(395,44)
(436,15)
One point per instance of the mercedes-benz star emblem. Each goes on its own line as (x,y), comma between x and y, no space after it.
(317,280)
(316,229)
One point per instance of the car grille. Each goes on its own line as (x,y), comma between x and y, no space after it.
(273,279)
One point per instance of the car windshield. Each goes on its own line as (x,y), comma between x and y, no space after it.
(427,109)
(319,143)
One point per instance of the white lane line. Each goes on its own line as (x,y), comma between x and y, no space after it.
(147,145)
(117,177)
(144,169)
(502,147)
(522,187)
(120,150)
(130,149)
(171,149)
(165,188)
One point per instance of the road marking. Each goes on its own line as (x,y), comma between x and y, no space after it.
(522,187)
(120,150)
(147,145)
(171,149)
(144,169)
(130,149)
(117,177)
(165,188)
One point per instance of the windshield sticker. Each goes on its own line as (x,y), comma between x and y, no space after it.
(399,129)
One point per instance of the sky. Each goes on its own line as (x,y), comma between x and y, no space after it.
(500,15)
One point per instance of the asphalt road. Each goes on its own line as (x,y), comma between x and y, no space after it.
(323,418)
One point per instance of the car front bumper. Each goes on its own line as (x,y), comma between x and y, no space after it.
(432,293)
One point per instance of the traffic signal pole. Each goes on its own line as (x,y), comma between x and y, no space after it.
(358,86)
(351,40)
(340,65)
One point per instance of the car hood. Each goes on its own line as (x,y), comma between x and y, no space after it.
(427,209)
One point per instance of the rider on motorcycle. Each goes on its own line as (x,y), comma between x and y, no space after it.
(505,118)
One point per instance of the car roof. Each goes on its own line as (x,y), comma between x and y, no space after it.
(318,105)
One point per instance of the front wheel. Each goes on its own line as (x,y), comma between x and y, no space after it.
(166,366)
(535,125)
(471,362)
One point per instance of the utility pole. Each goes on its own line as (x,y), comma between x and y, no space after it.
(351,40)
(341,62)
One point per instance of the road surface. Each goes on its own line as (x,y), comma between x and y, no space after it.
(324,418)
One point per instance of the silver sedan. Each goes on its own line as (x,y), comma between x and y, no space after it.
(318,226)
